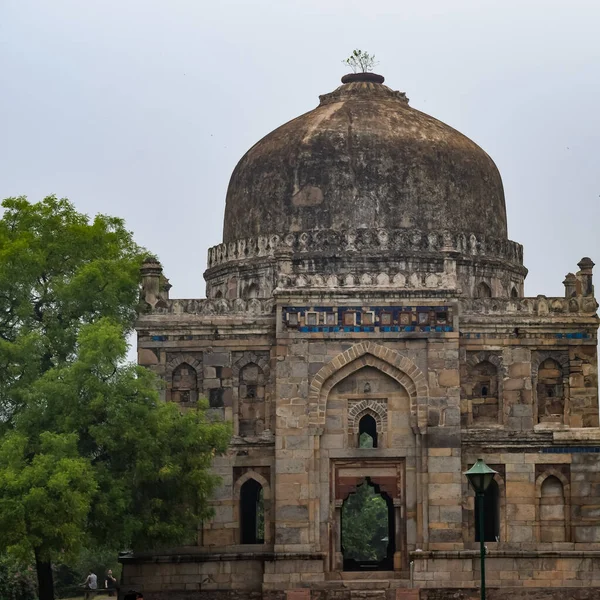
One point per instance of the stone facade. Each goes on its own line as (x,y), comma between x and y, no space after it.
(424,340)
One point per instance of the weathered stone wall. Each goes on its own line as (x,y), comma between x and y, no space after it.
(512,570)
(295,384)
(512,593)
(192,575)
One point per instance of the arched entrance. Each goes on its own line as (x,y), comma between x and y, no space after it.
(252,513)
(368,529)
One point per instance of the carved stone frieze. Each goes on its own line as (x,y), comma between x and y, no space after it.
(218,306)
(540,306)
(364,240)
(392,279)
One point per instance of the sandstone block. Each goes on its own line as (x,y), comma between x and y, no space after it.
(448,378)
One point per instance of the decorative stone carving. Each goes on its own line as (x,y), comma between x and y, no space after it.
(362,240)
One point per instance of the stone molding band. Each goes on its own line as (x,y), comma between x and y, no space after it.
(540,306)
(364,240)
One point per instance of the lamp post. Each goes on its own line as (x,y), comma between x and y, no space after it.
(480,476)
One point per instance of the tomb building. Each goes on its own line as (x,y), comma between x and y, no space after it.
(366,333)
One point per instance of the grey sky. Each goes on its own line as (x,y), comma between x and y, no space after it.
(142,108)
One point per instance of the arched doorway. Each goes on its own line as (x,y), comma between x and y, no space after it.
(368,529)
(252,513)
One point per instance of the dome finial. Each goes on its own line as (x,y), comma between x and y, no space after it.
(371,77)
(362,64)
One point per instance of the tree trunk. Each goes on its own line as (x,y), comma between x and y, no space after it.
(44,577)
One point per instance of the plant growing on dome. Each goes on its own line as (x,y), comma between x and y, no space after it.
(361,62)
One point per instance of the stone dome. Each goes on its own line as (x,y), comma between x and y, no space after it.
(364,159)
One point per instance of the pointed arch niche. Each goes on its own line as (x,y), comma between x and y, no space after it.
(252,508)
(183,376)
(386,360)
(550,374)
(494,511)
(482,386)
(251,414)
(378,392)
(553,503)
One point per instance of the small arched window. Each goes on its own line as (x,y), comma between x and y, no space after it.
(484,290)
(252,513)
(367,432)
(514,293)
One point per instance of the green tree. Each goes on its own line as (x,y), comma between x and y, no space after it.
(88,453)
(365,525)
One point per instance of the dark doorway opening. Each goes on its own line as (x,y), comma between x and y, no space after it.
(491,514)
(252,519)
(368,529)
(367,432)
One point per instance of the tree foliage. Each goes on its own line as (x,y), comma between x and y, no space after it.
(89,455)
(58,271)
(365,525)
(361,62)
(17,580)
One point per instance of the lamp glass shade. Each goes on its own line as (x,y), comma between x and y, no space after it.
(480,476)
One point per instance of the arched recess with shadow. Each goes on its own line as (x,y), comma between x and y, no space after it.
(483,290)
(384,359)
(482,384)
(183,377)
(553,506)
(252,509)
(550,379)
(251,291)
(251,397)
(494,511)
(491,514)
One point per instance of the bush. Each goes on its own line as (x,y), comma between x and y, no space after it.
(17,581)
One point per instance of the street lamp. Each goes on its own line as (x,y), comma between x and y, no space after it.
(480,476)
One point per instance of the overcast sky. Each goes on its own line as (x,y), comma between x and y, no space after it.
(141,108)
